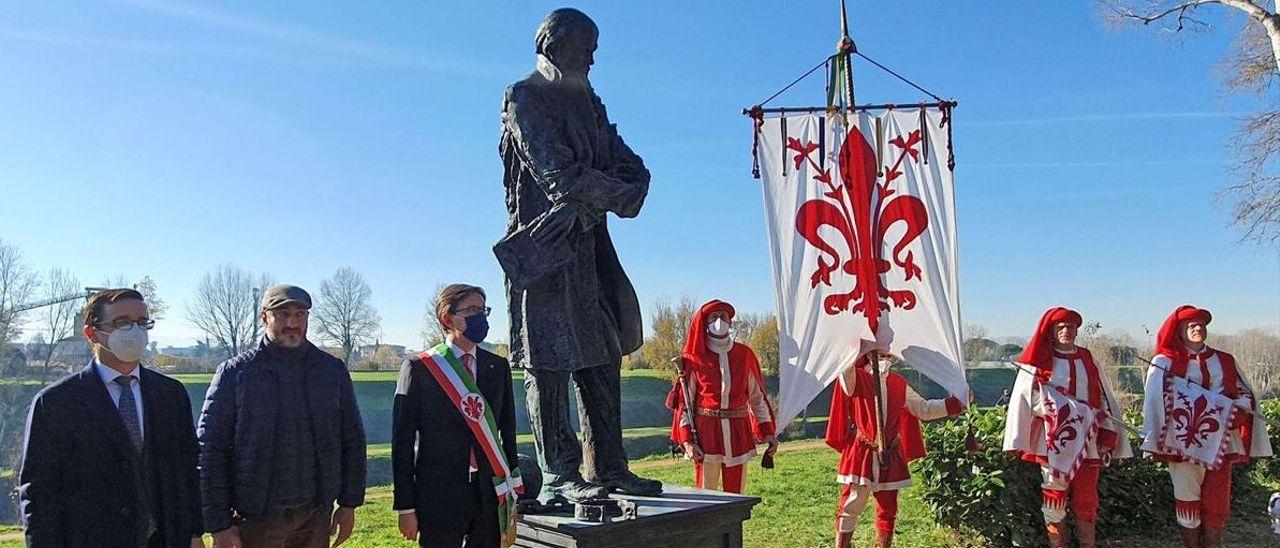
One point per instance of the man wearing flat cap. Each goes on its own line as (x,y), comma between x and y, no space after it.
(281,439)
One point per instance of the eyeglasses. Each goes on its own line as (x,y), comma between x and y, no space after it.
(472,311)
(127,324)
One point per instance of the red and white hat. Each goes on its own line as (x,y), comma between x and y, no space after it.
(1039,350)
(1169,340)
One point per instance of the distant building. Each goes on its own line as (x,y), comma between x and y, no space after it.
(73,352)
(184,351)
(369,351)
(15,360)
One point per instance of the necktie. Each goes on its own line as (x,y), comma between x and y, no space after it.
(467,360)
(129,411)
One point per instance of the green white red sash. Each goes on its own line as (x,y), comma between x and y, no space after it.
(461,389)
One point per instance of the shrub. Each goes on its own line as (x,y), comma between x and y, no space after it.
(996,496)
(986,492)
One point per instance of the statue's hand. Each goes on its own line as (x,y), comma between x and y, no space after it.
(554,225)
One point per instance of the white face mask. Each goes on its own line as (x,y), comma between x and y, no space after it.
(126,344)
(718,328)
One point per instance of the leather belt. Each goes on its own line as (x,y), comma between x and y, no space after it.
(872,445)
(738,413)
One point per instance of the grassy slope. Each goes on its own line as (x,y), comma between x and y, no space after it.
(797,507)
(390,376)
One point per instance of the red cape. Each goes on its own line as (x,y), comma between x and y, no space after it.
(852,414)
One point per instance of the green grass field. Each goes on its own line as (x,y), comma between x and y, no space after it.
(390,376)
(796,511)
(799,498)
(643,393)
(798,506)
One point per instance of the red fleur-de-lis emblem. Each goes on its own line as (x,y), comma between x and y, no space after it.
(862,210)
(1194,421)
(473,406)
(1062,430)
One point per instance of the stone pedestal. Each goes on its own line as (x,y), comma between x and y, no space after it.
(682,517)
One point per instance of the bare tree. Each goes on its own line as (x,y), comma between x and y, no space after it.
(1257,353)
(670,327)
(225,306)
(344,314)
(59,319)
(116,282)
(1115,353)
(760,332)
(976,346)
(432,333)
(1253,66)
(156,306)
(17,284)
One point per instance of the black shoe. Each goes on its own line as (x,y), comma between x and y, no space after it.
(631,484)
(573,490)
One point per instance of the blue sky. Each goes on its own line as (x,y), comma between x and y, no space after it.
(154,138)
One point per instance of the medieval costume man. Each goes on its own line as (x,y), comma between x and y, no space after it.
(1192,392)
(874,463)
(719,404)
(1063,416)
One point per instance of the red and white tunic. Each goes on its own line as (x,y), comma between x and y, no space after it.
(1078,374)
(852,428)
(731,411)
(1217,371)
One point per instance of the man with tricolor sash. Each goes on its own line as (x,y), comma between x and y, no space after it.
(1063,416)
(1197,420)
(453,449)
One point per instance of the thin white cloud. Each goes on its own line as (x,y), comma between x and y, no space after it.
(130,45)
(1095,164)
(1124,117)
(266,40)
(1109,192)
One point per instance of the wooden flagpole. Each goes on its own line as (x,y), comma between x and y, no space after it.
(846,49)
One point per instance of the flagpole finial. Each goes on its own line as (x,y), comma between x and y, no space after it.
(846,45)
(844,22)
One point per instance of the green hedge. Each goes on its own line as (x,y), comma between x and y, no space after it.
(643,398)
(997,497)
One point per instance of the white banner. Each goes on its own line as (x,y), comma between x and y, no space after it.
(1069,426)
(862,234)
(1195,423)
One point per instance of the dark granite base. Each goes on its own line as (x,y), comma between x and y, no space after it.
(682,517)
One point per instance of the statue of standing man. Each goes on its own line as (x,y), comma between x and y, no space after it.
(574,313)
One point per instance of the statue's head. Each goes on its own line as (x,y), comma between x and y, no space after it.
(567,38)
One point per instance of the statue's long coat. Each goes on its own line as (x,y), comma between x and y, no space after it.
(558,148)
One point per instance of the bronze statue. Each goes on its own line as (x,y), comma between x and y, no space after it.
(574,313)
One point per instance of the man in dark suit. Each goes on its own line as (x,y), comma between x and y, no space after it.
(109,457)
(455,479)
